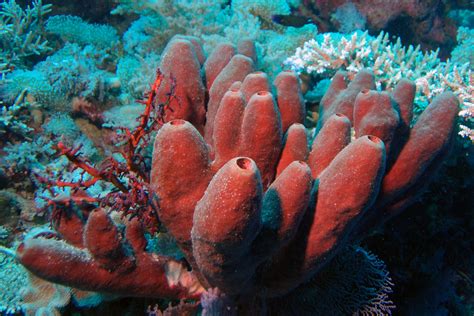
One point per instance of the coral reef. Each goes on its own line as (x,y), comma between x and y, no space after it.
(250,216)
(69,72)
(12,277)
(73,29)
(390,62)
(464,52)
(215,22)
(237,208)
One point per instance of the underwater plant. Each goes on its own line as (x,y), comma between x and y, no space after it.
(256,212)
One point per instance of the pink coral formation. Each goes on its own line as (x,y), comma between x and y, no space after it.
(255,211)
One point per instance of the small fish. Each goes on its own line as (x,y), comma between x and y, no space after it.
(291,20)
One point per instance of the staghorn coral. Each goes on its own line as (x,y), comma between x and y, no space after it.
(21,31)
(468,115)
(250,216)
(390,62)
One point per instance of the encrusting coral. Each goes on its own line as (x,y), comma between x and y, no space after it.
(256,212)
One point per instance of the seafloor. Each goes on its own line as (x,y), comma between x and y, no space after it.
(96,220)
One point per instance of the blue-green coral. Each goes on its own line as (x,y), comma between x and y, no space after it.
(215,22)
(71,71)
(135,72)
(74,71)
(464,51)
(143,35)
(33,82)
(21,31)
(12,277)
(75,30)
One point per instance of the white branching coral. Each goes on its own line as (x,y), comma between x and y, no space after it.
(390,62)
(468,115)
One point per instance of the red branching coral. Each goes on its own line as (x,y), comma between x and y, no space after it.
(132,195)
